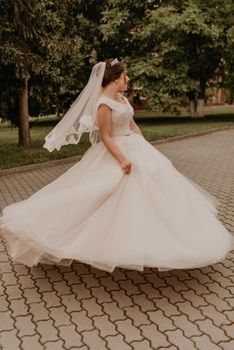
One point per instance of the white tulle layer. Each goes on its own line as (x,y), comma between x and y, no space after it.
(94,213)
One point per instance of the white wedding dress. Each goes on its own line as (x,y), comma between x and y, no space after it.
(94,213)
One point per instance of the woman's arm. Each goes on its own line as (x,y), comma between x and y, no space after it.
(135,127)
(104,119)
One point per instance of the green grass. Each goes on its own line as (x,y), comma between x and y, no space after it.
(159,131)
(12,155)
(154,126)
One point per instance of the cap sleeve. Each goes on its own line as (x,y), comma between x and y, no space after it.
(106,101)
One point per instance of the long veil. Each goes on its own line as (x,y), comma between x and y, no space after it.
(81,116)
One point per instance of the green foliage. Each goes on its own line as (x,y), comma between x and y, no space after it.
(173,48)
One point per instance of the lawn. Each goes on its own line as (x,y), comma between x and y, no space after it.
(154,126)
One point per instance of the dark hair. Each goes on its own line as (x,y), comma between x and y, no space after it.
(112,72)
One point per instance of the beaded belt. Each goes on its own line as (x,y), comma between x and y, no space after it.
(128,133)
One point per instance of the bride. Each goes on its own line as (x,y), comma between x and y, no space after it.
(123,204)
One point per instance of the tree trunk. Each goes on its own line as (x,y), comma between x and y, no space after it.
(24,132)
(192,108)
(200,108)
(197,101)
(57,110)
(201,99)
(196,108)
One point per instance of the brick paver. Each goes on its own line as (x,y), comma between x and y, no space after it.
(80,307)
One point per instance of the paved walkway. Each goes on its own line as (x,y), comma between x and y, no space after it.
(80,307)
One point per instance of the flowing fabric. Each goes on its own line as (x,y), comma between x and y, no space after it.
(94,213)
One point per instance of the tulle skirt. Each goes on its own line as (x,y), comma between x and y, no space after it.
(94,213)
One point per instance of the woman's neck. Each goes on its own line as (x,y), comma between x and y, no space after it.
(110,92)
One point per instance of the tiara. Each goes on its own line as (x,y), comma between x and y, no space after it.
(114,62)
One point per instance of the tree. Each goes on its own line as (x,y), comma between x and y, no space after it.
(228,68)
(47,49)
(175,49)
(16,24)
(28,36)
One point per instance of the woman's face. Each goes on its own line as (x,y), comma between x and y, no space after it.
(122,81)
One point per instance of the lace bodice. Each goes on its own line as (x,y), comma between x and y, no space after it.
(122,113)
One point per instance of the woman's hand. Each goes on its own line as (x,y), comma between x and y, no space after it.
(126,166)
